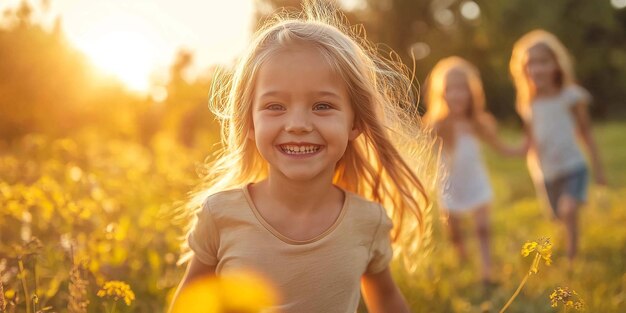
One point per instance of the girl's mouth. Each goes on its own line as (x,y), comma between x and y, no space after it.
(299,149)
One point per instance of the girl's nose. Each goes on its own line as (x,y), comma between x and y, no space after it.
(299,122)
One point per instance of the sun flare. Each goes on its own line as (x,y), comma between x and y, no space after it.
(126,53)
(136,41)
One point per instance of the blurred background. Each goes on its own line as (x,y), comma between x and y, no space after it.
(104,127)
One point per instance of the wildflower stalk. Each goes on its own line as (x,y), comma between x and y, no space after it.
(36,280)
(3,302)
(522,283)
(24,286)
(543,250)
(78,301)
(35,300)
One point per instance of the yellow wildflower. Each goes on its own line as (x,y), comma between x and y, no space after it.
(543,248)
(199,296)
(569,298)
(117,290)
(234,292)
(245,292)
(9,294)
(528,248)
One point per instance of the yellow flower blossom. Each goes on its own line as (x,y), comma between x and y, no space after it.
(234,292)
(117,290)
(9,294)
(528,248)
(569,298)
(543,248)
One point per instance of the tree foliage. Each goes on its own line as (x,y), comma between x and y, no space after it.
(593,31)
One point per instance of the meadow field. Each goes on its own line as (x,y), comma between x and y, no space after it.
(104,129)
(78,212)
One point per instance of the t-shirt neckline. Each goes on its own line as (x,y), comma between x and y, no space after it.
(286,239)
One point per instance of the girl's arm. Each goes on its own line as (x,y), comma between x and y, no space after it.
(584,131)
(381,293)
(194,270)
(508,150)
(490,130)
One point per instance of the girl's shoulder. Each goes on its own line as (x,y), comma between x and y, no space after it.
(217,202)
(366,211)
(360,201)
(574,94)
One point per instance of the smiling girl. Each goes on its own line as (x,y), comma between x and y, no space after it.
(301,191)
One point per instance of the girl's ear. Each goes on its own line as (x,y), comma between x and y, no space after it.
(250,133)
(354,133)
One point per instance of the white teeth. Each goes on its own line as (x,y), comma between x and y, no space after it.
(294,149)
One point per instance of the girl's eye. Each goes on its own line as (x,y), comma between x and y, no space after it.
(322,106)
(275,107)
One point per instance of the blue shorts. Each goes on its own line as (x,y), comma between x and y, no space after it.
(573,184)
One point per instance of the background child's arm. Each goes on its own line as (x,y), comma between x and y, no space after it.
(508,150)
(490,131)
(194,270)
(584,131)
(381,293)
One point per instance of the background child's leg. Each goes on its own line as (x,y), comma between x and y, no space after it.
(483,231)
(456,235)
(568,213)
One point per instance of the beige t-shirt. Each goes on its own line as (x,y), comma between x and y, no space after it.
(318,275)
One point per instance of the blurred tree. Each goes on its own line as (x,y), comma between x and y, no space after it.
(186,108)
(47,86)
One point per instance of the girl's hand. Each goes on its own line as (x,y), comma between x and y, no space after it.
(501,147)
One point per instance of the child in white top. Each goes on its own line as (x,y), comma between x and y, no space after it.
(554,110)
(312,117)
(456,110)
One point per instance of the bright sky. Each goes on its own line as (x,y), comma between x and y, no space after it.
(135,40)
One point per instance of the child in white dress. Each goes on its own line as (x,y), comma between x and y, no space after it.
(456,110)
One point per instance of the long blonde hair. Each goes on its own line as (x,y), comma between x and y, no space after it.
(437,113)
(519,59)
(384,164)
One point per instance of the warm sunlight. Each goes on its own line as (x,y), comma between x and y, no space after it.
(128,55)
(136,41)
